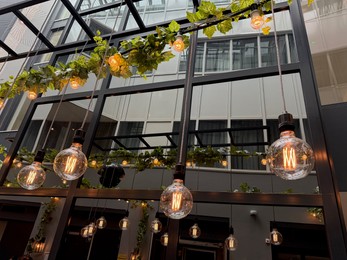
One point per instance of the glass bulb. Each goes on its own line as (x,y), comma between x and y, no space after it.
(176,201)
(290,157)
(32,95)
(231,243)
(74,84)
(156,226)
(84,232)
(263,161)
(178,44)
(257,21)
(195,231)
(276,237)
(93,163)
(156,162)
(2,103)
(188,164)
(32,176)
(124,223)
(91,229)
(224,163)
(101,222)
(164,239)
(71,163)
(124,162)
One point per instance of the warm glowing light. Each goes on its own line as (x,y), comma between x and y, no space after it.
(91,229)
(231,243)
(263,161)
(124,162)
(19,164)
(70,164)
(189,164)
(2,103)
(74,84)
(124,223)
(289,158)
(143,204)
(101,223)
(276,237)
(178,44)
(176,201)
(194,231)
(31,177)
(84,232)
(156,162)
(304,157)
(224,163)
(257,21)
(93,163)
(164,239)
(114,62)
(32,94)
(156,226)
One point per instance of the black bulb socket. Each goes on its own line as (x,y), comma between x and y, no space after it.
(40,155)
(285,122)
(79,136)
(231,230)
(254,7)
(179,172)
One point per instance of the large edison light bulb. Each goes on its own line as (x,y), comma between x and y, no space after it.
(32,176)
(71,163)
(290,157)
(176,201)
(276,237)
(231,242)
(178,44)
(257,20)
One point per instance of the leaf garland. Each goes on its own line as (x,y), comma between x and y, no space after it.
(143,54)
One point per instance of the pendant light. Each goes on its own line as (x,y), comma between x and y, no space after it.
(156,226)
(101,222)
(124,223)
(91,229)
(84,232)
(178,44)
(71,163)
(32,176)
(176,201)
(194,231)
(164,239)
(289,157)
(231,242)
(257,20)
(276,237)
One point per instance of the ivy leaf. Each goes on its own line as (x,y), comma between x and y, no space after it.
(224,26)
(192,17)
(209,31)
(290,2)
(174,26)
(201,15)
(268,19)
(267,6)
(207,7)
(266,30)
(310,2)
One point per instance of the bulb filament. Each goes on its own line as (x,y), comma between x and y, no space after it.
(70,164)
(275,237)
(289,158)
(231,243)
(195,232)
(166,240)
(155,227)
(31,177)
(125,224)
(176,201)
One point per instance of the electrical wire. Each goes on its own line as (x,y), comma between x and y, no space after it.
(278,57)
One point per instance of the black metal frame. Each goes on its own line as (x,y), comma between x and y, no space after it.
(334,224)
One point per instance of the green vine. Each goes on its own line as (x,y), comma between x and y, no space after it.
(144,54)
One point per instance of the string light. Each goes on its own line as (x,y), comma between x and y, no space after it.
(257,20)
(194,231)
(178,44)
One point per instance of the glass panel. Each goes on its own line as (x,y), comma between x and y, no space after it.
(198,61)
(217,56)
(245,54)
(268,50)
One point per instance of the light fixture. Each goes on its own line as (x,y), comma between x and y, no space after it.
(93,163)
(224,162)
(38,246)
(263,161)
(124,223)
(189,164)
(178,44)
(71,163)
(276,237)
(2,103)
(101,222)
(156,162)
(156,226)
(257,20)
(32,176)
(32,94)
(74,84)
(91,229)
(176,201)
(289,157)
(194,231)
(231,242)
(164,239)
(84,232)
(124,162)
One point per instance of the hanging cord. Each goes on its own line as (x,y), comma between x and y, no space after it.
(28,54)
(278,57)
(101,66)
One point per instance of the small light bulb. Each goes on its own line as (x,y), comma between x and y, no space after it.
(176,201)
(124,162)
(224,163)
(114,63)
(101,222)
(19,164)
(156,226)
(263,161)
(276,237)
(84,232)
(178,44)
(195,231)
(164,240)
(74,83)
(93,163)
(156,162)
(257,21)
(231,243)
(91,229)
(124,223)
(32,94)
(2,103)
(71,163)
(189,164)
(32,176)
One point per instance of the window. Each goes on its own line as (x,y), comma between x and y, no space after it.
(217,56)
(245,54)
(216,137)
(130,128)
(198,61)
(268,50)
(248,136)
(176,128)
(54,39)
